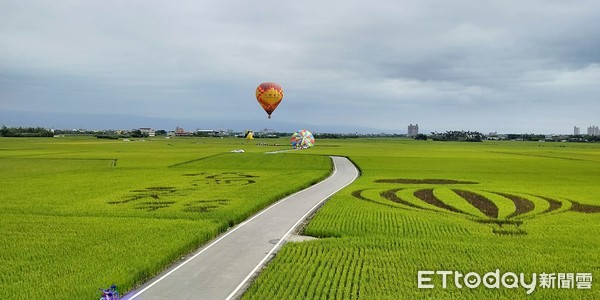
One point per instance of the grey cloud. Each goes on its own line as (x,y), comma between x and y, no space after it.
(469,64)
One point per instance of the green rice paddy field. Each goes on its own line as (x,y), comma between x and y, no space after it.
(77,214)
(525,208)
(80,213)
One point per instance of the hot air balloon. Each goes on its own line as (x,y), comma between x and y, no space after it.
(249,135)
(269,94)
(302,139)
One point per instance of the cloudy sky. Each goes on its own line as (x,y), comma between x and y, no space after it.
(345,66)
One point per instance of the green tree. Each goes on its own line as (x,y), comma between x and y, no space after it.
(421,137)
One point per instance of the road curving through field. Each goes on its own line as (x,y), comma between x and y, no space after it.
(221,269)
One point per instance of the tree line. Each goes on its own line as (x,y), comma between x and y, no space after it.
(25,132)
(474,136)
(465,136)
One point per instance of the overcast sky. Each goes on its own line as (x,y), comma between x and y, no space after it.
(345,66)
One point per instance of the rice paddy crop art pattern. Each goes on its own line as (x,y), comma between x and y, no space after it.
(504,212)
(158,197)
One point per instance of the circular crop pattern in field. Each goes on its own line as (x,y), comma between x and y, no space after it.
(504,212)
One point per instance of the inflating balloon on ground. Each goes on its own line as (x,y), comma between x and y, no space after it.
(249,135)
(302,139)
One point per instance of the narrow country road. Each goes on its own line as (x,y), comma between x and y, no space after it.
(220,269)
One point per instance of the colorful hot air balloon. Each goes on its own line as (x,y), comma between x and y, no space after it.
(302,139)
(269,94)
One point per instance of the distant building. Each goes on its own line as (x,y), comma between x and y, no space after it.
(267,131)
(211,132)
(181,132)
(493,136)
(206,132)
(148,131)
(413,130)
(576,130)
(593,130)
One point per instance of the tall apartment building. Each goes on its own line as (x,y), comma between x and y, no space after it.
(593,130)
(576,130)
(413,130)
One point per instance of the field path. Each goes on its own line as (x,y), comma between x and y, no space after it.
(221,269)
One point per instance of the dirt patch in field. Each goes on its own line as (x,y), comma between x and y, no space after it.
(483,204)
(424,181)
(192,174)
(585,208)
(153,205)
(295,238)
(204,206)
(500,222)
(509,231)
(522,205)
(427,196)
(391,195)
(358,194)
(232,178)
(155,192)
(504,227)
(554,204)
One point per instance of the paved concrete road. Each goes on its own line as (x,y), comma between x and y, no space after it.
(220,269)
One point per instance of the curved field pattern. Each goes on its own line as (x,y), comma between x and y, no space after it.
(505,212)
(159,197)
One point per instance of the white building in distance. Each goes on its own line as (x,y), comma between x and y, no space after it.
(148,131)
(413,130)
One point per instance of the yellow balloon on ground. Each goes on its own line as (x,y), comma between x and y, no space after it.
(249,135)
